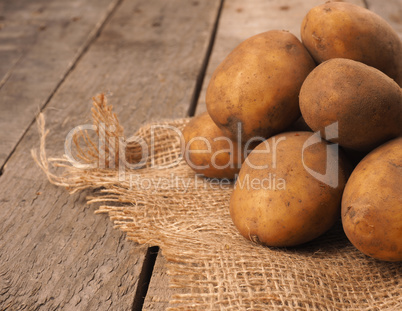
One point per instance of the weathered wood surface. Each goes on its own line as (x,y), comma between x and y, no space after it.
(390,10)
(159,292)
(40,41)
(54,252)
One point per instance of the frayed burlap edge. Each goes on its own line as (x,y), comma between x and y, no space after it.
(164,203)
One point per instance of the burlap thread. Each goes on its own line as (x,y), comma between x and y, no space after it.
(187,216)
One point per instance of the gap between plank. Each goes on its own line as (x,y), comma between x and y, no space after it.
(145,278)
(201,75)
(153,252)
(8,73)
(78,57)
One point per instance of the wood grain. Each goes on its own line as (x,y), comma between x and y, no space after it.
(40,42)
(390,10)
(159,293)
(54,252)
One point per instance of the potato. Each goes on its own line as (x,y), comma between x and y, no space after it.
(345,30)
(254,91)
(365,102)
(298,126)
(372,203)
(208,151)
(289,190)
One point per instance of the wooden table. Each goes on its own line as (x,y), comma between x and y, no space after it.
(154,59)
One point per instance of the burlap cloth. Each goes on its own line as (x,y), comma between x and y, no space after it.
(213,266)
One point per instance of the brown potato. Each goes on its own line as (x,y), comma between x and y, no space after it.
(345,30)
(372,203)
(365,102)
(298,126)
(208,151)
(289,190)
(257,85)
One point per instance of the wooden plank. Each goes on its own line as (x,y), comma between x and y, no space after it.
(243,19)
(54,252)
(239,20)
(390,10)
(159,293)
(39,43)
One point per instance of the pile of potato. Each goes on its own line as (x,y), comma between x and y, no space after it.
(311,131)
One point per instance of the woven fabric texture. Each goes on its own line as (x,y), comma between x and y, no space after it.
(163,202)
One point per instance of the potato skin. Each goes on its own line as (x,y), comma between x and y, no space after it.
(365,102)
(345,30)
(372,203)
(258,84)
(203,127)
(298,212)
